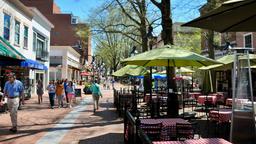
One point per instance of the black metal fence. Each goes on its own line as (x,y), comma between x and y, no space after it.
(132,130)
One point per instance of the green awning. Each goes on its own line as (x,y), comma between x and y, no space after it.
(7,50)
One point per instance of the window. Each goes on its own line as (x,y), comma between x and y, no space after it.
(7,24)
(17,33)
(25,37)
(40,46)
(34,41)
(248,40)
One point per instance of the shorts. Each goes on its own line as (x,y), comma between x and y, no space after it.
(70,95)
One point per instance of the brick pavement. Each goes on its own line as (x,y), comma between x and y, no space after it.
(36,121)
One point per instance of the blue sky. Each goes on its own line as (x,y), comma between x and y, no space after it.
(183,10)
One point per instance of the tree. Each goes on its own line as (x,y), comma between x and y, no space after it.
(189,41)
(84,34)
(112,42)
(167,37)
(210,34)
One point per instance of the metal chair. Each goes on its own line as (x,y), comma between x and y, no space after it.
(184,131)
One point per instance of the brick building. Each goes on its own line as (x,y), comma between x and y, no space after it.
(64,34)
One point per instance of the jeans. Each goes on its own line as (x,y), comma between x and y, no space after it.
(51,98)
(60,100)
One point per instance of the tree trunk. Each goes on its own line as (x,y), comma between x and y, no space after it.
(166,22)
(167,37)
(210,44)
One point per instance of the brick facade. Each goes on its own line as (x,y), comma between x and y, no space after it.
(237,38)
(63,33)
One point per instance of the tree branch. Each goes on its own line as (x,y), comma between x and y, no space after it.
(157,4)
(125,12)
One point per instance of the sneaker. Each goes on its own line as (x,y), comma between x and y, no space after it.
(94,110)
(70,106)
(52,107)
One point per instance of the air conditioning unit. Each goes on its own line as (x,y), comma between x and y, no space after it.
(74,20)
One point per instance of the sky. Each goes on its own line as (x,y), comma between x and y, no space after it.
(183,10)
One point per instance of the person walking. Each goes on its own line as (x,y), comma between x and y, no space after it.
(96,93)
(40,91)
(60,93)
(13,90)
(51,90)
(70,92)
(65,89)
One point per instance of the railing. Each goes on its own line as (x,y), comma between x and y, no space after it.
(132,131)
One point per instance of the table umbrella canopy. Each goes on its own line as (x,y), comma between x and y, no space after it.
(132,70)
(169,56)
(227,61)
(182,70)
(234,15)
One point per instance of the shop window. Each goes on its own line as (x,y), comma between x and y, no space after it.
(7,24)
(25,37)
(248,40)
(17,32)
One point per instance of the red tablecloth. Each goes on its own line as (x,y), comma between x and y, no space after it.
(224,115)
(169,126)
(202,99)
(207,141)
(169,142)
(196,141)
(194,94)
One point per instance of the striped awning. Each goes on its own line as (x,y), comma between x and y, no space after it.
(6,50)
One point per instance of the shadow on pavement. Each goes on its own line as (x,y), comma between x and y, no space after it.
(104,139)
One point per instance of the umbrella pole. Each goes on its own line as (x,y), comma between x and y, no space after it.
(192,81)
(168,86)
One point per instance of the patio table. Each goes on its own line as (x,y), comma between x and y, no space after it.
(169,126)
(201,99)
(224,115)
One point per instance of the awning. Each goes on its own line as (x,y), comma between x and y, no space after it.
(6,50)
(33,64)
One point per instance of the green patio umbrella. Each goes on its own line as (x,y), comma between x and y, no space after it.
(227,61)
(169,56)
(132,70)
(234,15)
